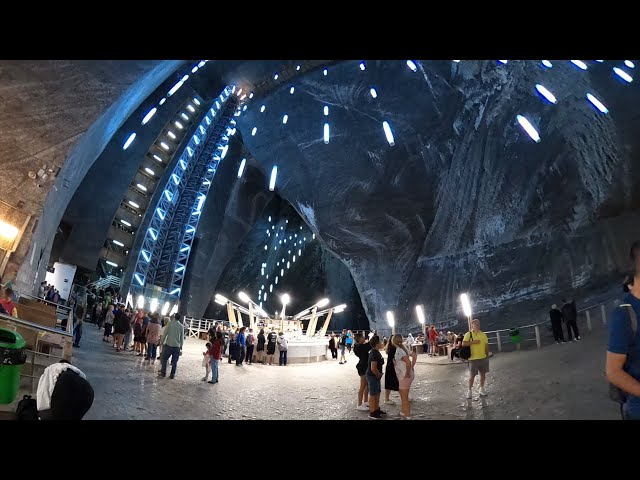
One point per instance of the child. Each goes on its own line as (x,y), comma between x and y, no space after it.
(206,362)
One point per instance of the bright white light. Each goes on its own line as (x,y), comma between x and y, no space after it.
(275,77)
(412,65)
(324,72)
(285,299)
(420,312)
(171,135)
(219,302)
(622,74)
(160,213)
(546,93)
(299,252)
(153,234)
(322,303)
(251,95)
(175,88)
(297,67)
(241,170)
(244,297)
(178,124)
(239,92)
(524,123)
(340,308)
(388,133)
(597,103)
(184,116)
(221,298)
(141,187)
(154,305)
(275,282)
(326,111)
(124,222)
(504,62)
(146,255)
(253,132)
(580,64)
(547,63)
(282,272)
(466,304)
(120,244)
(129,140)
(326,133)
(165,308)
(313,236)
(191,109)
(175,178)
(457,61)
(390,320)
(362,67)
(208,120)
(293,259)
(373,92)
(269,218)
(183,164)
(196,101)
(262,108)
(140,301)
(285,118)
(134,204)
(108,262)
(242,98)
(629,63)
(291,90)
(184,79)
(148,116)
(217,105)
(168,195)
(149,171)
(164,145)
(265,247)
(162,101)
(274,174)
(157,158)
(189,151)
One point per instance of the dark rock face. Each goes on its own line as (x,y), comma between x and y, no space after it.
(464,200)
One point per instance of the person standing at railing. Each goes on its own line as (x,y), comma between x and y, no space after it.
(479,360)
(570,315)
(623,352)
(556,323)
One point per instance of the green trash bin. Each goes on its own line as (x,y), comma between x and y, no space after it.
(515,336)
(12,357)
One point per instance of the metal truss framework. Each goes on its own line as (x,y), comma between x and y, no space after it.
(154,257)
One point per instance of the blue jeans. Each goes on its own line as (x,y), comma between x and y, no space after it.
(283,357)
(174,353)
(374,385)
(152,350)
(127,339)
(77,333)
(214,370)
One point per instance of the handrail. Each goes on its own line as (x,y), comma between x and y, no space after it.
(35,326)
(45,301)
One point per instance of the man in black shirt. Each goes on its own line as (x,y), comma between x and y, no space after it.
(362,349)
(272,338)
(556,323)
(570,314)
(375,362)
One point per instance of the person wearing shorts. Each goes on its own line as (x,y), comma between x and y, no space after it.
(362,349)
(373,376)
(479,360)
(404,363)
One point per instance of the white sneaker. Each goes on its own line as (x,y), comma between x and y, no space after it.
(483,392)
(363,408)
(469,394)
(389,402)
(366,404)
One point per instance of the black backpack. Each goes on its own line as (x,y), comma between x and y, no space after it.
(27,409)
(465,352)
(615,393)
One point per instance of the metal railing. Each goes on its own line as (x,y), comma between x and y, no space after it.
(63,312)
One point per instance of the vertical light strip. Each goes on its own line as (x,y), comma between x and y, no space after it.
(274,175)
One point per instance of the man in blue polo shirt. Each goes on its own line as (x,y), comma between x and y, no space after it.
(623,353)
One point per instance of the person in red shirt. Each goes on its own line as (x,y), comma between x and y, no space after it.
(7,303)
(215,352)
(433,341)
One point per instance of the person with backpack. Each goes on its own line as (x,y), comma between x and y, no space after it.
(272,339)
(623,351)
(479,359)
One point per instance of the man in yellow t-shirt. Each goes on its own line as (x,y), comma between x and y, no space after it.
(479,360)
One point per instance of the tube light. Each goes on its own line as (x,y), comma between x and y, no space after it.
(124,222)
(141,187)
(160,213)
(322,303)
(164,145)
(146,255)
(340,308)
(326,133)
(420,312)
(504,62)
(622,74)
(285,118)
(109,262)
(388,133)
(275,77)
(412,65)
(629,63)
(580,64)
(178,124)
(134,204)
(162,101)
(184,79)
(291,90)
(149,171)
(546,93)
(221,298)
(183,164)
(373,92)
(297,67)
(168,195)
(140,303)
(129,140)
(225,149)
(191,109)
(153,234)
(184,116)
(326,111)
(219,302)
(547,63)
(175,88)
(272,181)
(241,169)
(165,308)
(251,95)
(244,297)
(120,244)
(196,101)
(597,103)
(171,135)
(362,67)
(262,108)
(139,278)
(390,320)
(285,299)
(324,72)
(526,125)
(466,304)
(253,132)
(242,98)
(148,116)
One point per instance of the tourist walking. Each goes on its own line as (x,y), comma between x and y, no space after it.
(361,350)
(555,315)
(479,359)
(570,315)
(172,340)
(241,345)
(77,325)
(433,341)
(282,347)
(349,341)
